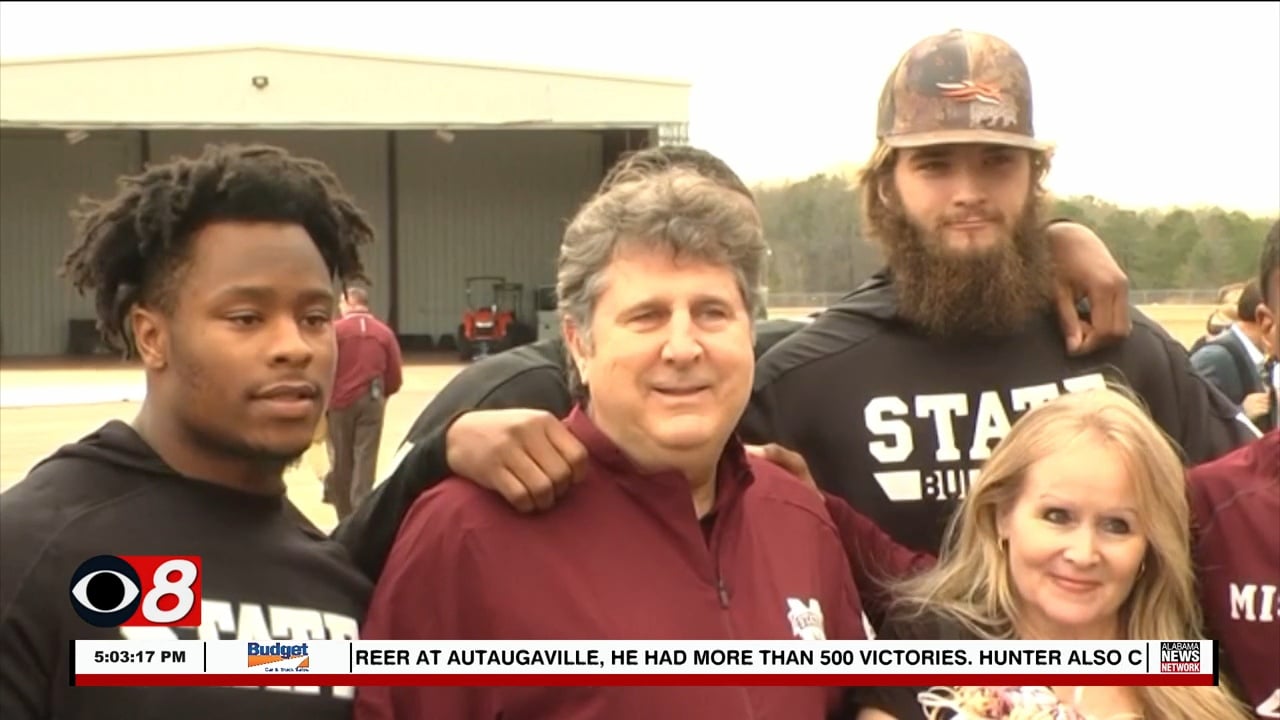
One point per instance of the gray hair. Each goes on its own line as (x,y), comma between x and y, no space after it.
(675,209)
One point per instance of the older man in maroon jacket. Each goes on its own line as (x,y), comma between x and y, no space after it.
(674,532)
(1236,500)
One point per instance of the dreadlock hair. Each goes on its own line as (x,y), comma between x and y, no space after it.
(651,161)
(131,248)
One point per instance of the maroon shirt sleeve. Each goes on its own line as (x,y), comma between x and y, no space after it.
(1235,502)
(429,590)
(393,378)
(874,557)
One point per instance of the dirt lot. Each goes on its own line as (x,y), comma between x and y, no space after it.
(29,433)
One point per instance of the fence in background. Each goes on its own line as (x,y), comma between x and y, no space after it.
(1203,296)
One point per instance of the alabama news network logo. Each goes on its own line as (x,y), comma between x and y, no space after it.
(110,591)
(1180,657)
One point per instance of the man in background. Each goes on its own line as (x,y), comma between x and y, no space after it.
(1223,314)
(1236,500)
(1235,360)
(369,372)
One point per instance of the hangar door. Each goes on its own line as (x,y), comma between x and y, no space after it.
(42,175)
(359,159)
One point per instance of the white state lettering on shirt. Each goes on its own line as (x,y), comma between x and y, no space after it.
(948,474)
(944,408)
(224,620)
(1270,707)
(251,623)
(216,618)
(1026,398)
(991,425)
(878,424)
(1254,603)
(341,627)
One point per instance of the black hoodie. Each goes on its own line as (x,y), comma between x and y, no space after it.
(268,574)
(895,422)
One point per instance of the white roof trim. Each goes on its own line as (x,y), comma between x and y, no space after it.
(334,53)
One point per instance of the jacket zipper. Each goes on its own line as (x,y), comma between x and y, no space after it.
(723,593)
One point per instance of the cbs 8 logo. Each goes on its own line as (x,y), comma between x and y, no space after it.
(138,590)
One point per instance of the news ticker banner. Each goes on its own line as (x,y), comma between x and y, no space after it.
(641,663)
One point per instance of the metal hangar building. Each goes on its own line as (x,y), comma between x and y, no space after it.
(464,169)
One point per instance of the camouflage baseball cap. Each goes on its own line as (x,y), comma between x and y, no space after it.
(958,87)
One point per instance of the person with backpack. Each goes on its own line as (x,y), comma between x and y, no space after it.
(1235,360)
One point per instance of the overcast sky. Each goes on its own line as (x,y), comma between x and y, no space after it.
(1156,104)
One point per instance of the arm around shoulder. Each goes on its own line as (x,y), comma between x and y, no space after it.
(368,533)
(874,558)
(422,461)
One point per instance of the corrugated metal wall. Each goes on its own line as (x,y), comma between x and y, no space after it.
(41,177)
(359,159)
(489,203)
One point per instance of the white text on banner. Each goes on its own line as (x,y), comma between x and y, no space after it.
(297,662)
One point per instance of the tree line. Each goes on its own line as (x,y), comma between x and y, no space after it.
(814,230)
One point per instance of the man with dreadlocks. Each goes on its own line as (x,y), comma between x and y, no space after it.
(219,273)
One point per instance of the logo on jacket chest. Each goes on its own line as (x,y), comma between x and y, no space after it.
(806,619)
(930,446)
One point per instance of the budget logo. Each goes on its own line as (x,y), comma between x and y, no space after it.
(278,657)
(110,591)
(1180,657)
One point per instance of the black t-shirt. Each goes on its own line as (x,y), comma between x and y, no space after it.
(909,703)
(903,703)
(898,423)
(268,574)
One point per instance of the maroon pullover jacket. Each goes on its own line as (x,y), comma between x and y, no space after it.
(622,557)
(1236,501)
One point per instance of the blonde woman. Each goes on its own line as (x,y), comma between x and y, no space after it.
(1076,530)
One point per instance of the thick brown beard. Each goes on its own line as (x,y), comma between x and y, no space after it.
(994,293)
